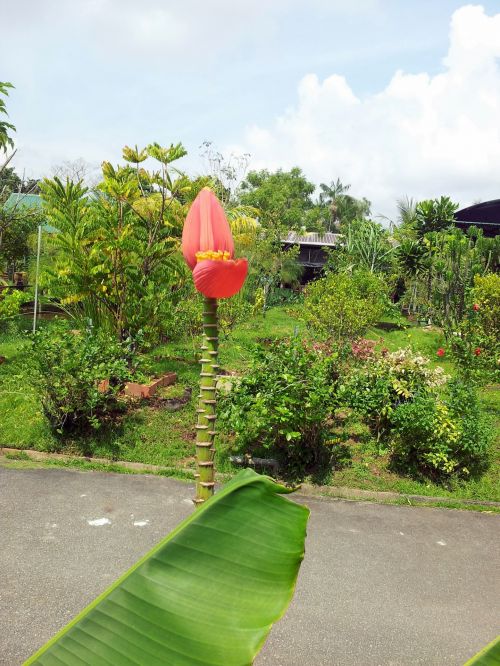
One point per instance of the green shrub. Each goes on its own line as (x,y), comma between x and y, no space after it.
(67,368)
(10,307)
(441,438)
(341,306)
(233,311)
(475,346)
(383,381)
(486,295)
(183,317)
(280,408)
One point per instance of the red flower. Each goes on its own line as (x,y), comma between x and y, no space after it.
(220,279)
(475,307)
(440,352)
(477,351)
(207,246)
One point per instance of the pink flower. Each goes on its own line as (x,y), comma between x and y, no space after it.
(477,351)
(440,352)
(475,307)
(207,245)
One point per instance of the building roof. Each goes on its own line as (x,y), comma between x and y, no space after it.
(484,215)
(30,201)
(327,239)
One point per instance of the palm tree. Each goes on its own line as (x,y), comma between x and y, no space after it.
(412,257)
(331,196)
(343,207)
(5,139)
(407,212)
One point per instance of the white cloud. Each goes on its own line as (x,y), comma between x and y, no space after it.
(422,135)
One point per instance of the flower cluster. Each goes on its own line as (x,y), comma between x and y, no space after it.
(363,349)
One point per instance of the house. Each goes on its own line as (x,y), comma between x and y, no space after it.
(313,250)
(485,216)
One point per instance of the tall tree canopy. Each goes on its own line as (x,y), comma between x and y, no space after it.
(283,197)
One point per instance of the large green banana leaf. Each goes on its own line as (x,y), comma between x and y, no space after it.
(489,656)
(206,594)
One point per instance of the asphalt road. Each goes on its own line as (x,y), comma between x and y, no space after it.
(380,585)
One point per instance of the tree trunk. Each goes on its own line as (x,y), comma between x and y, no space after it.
(205,427)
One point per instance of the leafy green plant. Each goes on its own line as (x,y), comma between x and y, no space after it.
(10,306)
(233,311)
(434,214)
(486,296)
(441,438)
(281,406)
(341,306)
(68,367)
(365,246)
(475,345)
(271,267)
(207,594)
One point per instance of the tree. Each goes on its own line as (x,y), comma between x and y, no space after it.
(434,215)
(283,197)
(9,182)
(341,306)
(455,260)
(270,266)
(226,173)
(407,215)
(117,259)
(77,170)
(411,257)
(5,127)
(18,218)
(340,207)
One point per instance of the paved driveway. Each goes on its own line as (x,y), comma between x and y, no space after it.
(380,585)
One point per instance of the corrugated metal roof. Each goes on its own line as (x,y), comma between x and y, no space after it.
(32,201)
(327,239)
(23,200)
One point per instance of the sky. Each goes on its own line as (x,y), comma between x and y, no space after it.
(394,97)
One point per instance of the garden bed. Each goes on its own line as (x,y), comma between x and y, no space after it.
(150,434)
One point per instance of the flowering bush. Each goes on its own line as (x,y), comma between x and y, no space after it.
(475,345)
(363,349)
(377,387)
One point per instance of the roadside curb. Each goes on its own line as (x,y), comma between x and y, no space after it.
(383,495)
(305,489)
(42,456)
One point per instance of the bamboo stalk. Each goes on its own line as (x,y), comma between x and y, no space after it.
(205,427)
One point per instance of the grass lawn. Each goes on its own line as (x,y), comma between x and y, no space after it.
(151,434)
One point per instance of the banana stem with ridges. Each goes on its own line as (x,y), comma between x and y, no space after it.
(205,427)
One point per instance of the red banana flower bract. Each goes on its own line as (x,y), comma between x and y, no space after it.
(208,248)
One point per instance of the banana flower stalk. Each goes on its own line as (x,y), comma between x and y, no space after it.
(208,248)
